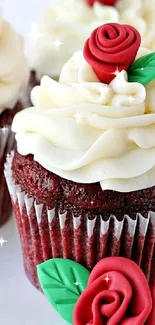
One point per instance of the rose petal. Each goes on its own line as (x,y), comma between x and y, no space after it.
(108,302)
(109,51)
(104,2)
(112,278)
(111,47)
(97,295)
(142,301)
(151,320)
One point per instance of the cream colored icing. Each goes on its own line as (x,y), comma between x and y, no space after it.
(71,23)
(13,66)
(86,131)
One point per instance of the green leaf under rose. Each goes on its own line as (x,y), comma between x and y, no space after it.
(63,281)
(143,69)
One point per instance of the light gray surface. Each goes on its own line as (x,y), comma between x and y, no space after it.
(22,13)
(20,302)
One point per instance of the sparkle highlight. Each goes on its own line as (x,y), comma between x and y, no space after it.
(107,279)
(57,43)
(34,34)
(2,241)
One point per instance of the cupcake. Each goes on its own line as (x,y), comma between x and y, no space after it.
(141,15)
(14,75)
(61,31)
(82,179)
(65,26)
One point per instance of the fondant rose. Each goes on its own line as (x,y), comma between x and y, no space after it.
(117,293)
(110,49)
(104,2)
(151,319)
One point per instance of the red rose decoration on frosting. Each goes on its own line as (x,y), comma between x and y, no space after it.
(151,320)
(104,2)
(111,48)
(117,294)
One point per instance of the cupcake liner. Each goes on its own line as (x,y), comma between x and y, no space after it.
(33,81)
(82,236)
(7,142)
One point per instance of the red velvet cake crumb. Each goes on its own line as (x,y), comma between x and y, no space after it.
(61,218)
(47,188)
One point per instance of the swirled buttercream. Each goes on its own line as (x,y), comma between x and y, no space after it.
(13,66)
(87,131)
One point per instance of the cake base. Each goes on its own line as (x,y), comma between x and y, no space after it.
(33,81)
(61,229)
(7,143)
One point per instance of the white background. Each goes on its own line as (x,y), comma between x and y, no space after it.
(20,302)
(22,12)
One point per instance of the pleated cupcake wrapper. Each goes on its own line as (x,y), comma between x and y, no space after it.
(7,141)
(83,237)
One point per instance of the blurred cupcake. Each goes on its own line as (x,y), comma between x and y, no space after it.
(62,30)
(82,180)
(14,76)
(141,15)
(66,25)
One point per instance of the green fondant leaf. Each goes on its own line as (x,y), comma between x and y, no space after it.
(63,281)
(143,69)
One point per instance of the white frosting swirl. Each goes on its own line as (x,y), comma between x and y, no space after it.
(13,66)
(71,22)
(86,131)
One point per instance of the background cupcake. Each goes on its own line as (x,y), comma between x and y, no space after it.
(141,15)
(78,186)
(66,24)
(14,76)
(62,30)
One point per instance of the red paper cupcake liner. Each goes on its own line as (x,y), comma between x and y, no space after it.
(86,238)
(7,143)
(32,83)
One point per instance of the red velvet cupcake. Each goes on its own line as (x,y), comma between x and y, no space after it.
(14,76)
(82,180)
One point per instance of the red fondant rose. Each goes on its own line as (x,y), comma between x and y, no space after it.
(151,320)
(104,2)
(117,293)
(110,48)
